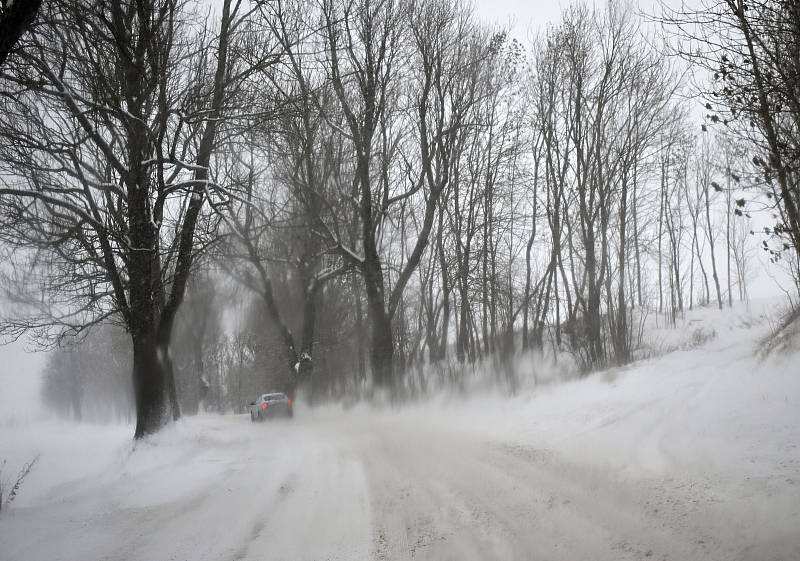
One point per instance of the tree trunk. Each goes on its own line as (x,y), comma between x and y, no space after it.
(149,385)
(462,341)
(382,350)
(637,252)
(728,225)
(360,360)
(710,235)
(527,296)
(660,235)
(621,340)
(446,289)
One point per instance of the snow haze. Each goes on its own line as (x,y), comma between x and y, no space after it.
(20,380)
(690,456)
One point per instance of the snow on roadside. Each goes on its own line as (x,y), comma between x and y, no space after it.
(711,433)
(67,452)
(715,405)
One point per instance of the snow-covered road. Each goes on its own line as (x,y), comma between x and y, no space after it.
(690,457)
(384,486)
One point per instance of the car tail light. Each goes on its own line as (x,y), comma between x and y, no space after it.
(290,402)
(264,406)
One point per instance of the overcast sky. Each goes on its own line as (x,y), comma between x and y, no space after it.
(533,15)
(523,14)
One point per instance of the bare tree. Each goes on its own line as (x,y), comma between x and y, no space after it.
(364,42)
(704,177)
(108,137)
(750,49)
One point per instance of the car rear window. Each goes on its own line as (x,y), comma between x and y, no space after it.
(274,397)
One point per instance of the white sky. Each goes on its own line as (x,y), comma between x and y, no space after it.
(532,15)
(524,15)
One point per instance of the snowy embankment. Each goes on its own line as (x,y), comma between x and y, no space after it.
(693,455)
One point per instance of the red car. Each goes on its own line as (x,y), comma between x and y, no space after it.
(271,405)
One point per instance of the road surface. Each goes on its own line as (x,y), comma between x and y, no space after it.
(388,486)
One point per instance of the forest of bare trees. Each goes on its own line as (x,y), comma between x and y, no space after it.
(351,197)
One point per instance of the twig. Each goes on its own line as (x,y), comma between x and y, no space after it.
(26,469)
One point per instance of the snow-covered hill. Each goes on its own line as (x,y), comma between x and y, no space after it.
(690,456)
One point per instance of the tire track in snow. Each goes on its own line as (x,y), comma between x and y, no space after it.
(481,501)
(322,515)
(414,517)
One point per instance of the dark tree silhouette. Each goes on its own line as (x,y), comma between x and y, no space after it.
(105,153)
(16,17)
